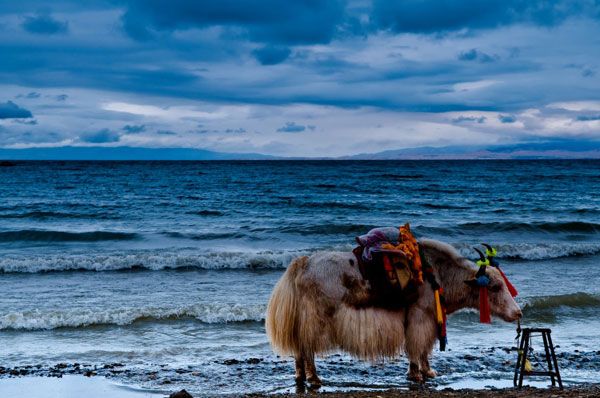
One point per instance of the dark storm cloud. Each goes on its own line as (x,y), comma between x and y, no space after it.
(274,21)
(433,16)
(117,64)
(29,122)
(475,55)
(100,137)
(292,127)
(507,118)
(10,110)
(469,119)
(271,55)
(587,118)
(134,129)
(165,132)
(31,95)
(44,24)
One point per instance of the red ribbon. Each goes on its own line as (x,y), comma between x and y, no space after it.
(484,306)
(511,288)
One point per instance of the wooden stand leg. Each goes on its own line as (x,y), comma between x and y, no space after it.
(519,360)
(560,385)
(548,361)
(524,358)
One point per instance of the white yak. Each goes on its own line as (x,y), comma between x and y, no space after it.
(314,309)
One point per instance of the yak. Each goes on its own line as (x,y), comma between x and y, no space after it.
(316,308)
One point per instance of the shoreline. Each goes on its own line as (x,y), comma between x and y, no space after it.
(96,387)
(525,392)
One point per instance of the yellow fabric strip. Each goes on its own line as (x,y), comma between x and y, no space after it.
(438,308)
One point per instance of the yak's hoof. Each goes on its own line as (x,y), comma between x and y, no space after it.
(314,381)
(415,377)
(429,373)
(300,387)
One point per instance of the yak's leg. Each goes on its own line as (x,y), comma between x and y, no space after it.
(300,369)
(426,370)
(311,371)
(414,372)
(420,337)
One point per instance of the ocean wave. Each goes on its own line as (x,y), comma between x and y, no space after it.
(572,300)
(208,235)
(154,260)
(537,251)
(207,213)
(513,227)
(36,235)
(391,176)
(43,215)
(335,205)
(84,317)
(559,226)
(351,230)
(191,258)
(443,206)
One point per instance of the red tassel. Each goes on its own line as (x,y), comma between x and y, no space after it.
(511,288)
(484,306)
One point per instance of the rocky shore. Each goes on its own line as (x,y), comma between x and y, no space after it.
(526,392)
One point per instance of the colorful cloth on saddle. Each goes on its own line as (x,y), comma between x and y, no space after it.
(393,241)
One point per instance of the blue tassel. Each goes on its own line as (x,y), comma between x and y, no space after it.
(483,281)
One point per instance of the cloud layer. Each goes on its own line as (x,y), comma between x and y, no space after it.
(307,78)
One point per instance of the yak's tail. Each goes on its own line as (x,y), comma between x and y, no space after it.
(282,320)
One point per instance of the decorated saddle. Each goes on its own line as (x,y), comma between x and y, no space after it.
(389,259)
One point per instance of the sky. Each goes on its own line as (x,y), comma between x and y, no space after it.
(298,78)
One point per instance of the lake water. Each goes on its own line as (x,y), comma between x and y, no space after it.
(165,268)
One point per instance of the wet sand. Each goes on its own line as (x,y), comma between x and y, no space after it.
(99,387)
(69,386)
(588,391)
(526,392)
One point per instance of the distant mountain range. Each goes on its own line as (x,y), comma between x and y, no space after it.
(122,153)
(555,149)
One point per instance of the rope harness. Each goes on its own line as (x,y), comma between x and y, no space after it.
(439,301)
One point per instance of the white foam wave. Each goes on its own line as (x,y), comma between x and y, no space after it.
(151,260)
(157,260)
(537,251)
(84,317)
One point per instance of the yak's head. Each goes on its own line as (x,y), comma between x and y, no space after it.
(502,303)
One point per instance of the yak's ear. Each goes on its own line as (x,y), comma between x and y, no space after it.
(471,282)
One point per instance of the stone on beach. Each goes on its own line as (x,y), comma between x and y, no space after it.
(181,394)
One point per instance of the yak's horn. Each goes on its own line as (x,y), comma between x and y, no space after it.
(483,263)
(481,255)
(489,247)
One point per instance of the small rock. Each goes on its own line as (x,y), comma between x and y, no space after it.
(231,362)
(181,394)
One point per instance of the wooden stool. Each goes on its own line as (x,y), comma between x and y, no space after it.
(549,353)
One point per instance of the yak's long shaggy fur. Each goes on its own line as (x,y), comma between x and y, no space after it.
(282,311)
(303,321)
(315,308)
